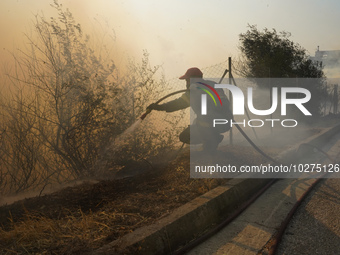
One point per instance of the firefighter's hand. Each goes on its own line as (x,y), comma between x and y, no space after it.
(154,106)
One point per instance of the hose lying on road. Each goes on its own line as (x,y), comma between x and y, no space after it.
(276,239)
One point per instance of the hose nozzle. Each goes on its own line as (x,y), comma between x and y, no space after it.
(146,113)
(160,100)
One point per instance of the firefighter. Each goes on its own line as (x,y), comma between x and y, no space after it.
(201,131)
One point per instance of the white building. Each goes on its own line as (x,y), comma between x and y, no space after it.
(330,60)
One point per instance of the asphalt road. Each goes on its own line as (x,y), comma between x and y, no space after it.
(315,227)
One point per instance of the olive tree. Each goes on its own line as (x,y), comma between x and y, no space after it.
(272,54)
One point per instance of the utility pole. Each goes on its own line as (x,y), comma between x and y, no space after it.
(230,99)
(336,99)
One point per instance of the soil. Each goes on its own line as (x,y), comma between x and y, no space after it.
(111,208)
(80,219)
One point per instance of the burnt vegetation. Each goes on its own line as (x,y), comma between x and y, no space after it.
(67,103)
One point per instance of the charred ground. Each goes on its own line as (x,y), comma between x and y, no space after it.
(80,219)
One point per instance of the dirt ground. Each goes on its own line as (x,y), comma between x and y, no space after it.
(80,219)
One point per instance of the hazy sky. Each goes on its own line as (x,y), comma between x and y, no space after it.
(181,34)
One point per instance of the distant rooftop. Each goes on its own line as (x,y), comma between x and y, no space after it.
(329,58)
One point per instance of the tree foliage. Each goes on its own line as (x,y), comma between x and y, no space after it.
(271,54)
(67,105)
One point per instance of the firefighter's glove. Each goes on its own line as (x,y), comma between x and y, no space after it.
(154,106)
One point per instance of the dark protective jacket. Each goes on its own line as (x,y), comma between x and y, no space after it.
(193,98)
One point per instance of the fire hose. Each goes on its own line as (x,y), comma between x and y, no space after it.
(142,117)
(279,234)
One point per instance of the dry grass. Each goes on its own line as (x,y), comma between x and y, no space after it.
(83,231)
(109,209)
(78,232)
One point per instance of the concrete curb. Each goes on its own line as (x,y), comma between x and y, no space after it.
(193,218)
